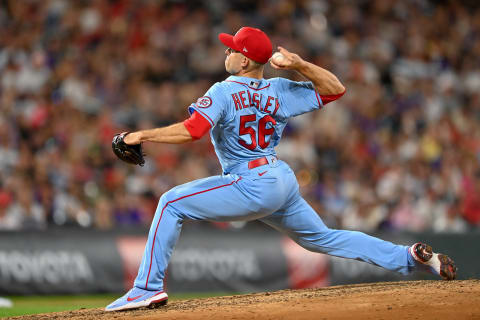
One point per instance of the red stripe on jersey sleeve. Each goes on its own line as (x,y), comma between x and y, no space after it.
(332,97)
(197,125)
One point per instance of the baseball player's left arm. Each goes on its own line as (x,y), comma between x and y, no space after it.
(191,129)
(325,82)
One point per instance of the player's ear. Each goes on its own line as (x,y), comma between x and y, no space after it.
(245,62)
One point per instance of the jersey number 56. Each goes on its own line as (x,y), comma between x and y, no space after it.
(262,131)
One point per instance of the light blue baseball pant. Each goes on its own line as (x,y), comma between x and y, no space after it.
(269,193)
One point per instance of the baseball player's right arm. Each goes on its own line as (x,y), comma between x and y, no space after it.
(325,82)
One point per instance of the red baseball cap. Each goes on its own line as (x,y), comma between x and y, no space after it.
(251,42)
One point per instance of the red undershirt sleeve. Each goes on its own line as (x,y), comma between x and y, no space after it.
(197,125)
(332,97)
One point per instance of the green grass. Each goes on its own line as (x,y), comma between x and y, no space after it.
(24,305)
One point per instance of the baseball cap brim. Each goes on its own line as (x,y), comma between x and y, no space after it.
(227,39)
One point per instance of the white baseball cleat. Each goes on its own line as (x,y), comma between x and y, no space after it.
(138,298)
(439,263)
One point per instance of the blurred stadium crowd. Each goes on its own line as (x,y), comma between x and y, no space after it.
(399,151)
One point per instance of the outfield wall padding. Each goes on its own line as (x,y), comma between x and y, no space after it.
(206,259)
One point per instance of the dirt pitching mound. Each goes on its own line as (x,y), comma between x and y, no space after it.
(390,300)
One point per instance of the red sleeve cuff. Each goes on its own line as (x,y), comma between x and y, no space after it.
(197,125)
(332,97)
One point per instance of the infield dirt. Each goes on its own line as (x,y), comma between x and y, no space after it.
(391,300)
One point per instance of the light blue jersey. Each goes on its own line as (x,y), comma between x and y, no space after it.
(248,115)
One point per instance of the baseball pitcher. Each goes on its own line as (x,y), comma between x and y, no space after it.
(245,115)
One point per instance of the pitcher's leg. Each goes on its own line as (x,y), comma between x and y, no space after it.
(162,237)
(219,198)
(301,223)
(215,198)
(167,224)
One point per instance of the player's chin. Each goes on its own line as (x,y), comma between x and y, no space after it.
(231,71)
